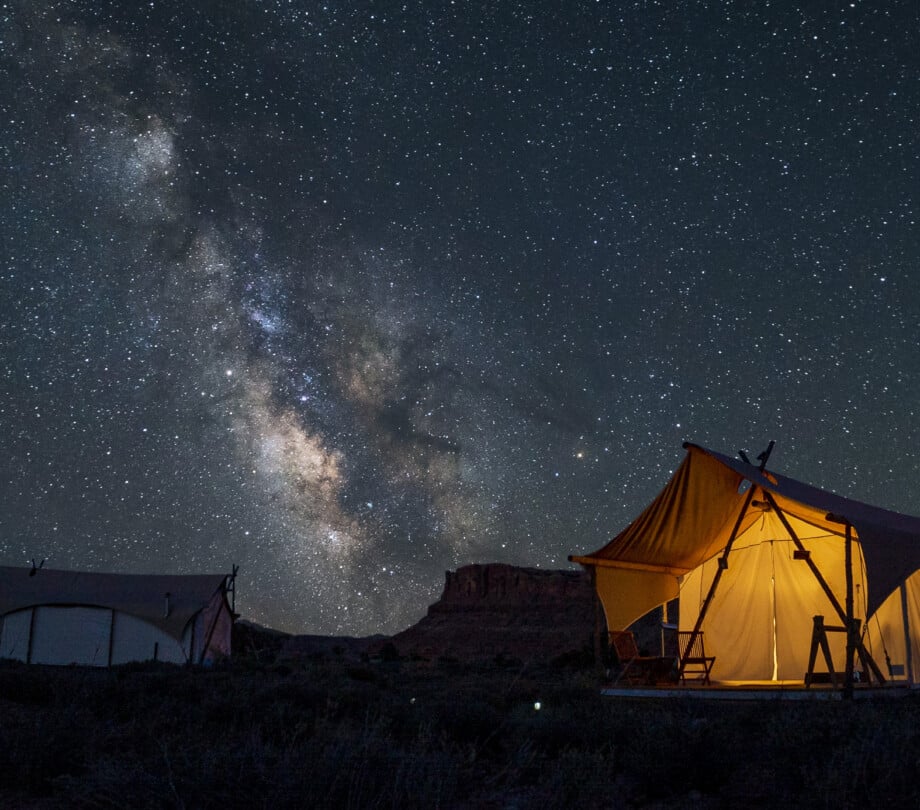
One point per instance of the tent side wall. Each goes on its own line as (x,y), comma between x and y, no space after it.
(71,635)
(14,635)
(894,631)
(99,637)
(760,623)
(137,640)
(210,638)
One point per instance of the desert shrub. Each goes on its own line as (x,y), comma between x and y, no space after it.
(40,748)
(420,735)
(467,717)
(362,673)
(857,755)
(588,780)
(575,660)
(389,652)
(20,684)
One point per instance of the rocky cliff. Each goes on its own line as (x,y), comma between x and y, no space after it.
(502,610)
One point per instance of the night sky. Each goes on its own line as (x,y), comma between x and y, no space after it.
(353,293)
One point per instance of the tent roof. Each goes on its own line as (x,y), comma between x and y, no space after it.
(141,595)
(692,519)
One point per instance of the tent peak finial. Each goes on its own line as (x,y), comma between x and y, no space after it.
(765,455)
(762,458)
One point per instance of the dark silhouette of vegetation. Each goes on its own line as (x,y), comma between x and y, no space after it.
(345,733)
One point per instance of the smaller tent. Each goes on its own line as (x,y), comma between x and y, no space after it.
(92,619)
(753,557)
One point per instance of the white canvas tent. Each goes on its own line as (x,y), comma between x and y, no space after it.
(93,619)
(753,556)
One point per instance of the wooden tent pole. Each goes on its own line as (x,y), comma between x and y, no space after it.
(832,598)
(848,563)
(908,646)
(664,621)
(723,564)
(231,587)
(806,555)
(598,611)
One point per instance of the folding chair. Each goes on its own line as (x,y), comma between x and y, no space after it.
(634,668)
(693,658)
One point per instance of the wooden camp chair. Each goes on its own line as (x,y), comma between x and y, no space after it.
(634,668)
(693,658)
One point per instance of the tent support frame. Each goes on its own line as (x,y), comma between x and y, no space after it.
(845,617)
(207,639)
(723,565)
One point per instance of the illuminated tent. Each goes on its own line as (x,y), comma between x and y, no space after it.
(753,556)
(77,617)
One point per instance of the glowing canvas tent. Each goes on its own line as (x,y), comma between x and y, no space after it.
(753,556)
(93,619)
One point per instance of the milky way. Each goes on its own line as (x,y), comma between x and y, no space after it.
(349,294)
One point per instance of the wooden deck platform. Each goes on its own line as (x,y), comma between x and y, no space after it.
(759,690)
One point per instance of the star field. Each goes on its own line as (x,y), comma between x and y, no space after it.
(350,294)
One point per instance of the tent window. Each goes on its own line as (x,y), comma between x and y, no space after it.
(744,486)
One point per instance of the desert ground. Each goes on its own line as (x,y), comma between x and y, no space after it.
(341,729)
